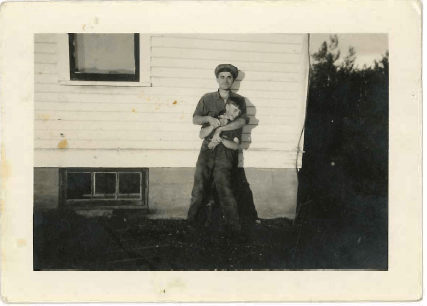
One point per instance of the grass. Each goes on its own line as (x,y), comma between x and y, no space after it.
(64,240)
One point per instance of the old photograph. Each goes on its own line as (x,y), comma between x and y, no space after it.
(165,152)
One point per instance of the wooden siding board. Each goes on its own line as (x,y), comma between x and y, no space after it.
(240,85)
(145,92)
(149,100)
(224,55)
(260,38)
(114,135)
(45,79)
(169,107)
(48,48)
(63,125)
(154,145)
(210,64)
(78,116)
(70,135)
(45,38)
(45,58)
(45,69)
(211,44)
(208,74)
(152,158)
(48,92)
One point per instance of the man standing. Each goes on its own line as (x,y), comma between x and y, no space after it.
(207,111)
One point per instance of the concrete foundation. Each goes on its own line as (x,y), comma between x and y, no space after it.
(274,191)
(46,188)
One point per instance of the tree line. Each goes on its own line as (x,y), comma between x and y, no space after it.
(346,130)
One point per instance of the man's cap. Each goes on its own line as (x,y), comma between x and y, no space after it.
(227,68)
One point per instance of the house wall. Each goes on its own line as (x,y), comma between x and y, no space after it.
(46,188)
(102,118)
(131,126)
(169,193)
(274,192)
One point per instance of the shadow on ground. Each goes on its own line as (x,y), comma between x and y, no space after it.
(65,240)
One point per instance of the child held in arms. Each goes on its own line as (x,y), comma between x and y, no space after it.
(230,139)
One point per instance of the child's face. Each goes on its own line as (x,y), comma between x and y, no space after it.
(232,111)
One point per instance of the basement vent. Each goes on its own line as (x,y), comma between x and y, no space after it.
(97,188)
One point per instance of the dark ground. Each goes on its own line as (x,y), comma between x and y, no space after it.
(65,240)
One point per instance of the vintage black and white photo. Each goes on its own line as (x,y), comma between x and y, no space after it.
(205,151)
(159,152)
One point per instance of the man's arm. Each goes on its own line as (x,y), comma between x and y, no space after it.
(233,145)
(199,115)
(200,120)
(234,125)
(204,132)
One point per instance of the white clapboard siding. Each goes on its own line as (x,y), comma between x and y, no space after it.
(260,38)
(45,69)
(152,145)
(49,48)
(118,107)
(257,136)
(226,55)
(210,44)
(45,38)
(287,119)
(45,58)
(119,144)
(146,99)
(158,119)
(137,101)
(208,84)
(209,63)
(208,74)
(104,92)
(154,158)
(47,107)
(46,79)
(147,126)
(72,135)
(63,125)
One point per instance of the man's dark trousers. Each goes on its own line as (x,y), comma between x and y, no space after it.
(215,165)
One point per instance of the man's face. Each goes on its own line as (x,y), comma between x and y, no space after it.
(232,111)
(225,80)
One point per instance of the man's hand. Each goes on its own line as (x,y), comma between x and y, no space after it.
(216,137)
(214,122)
(223,121)
(212,145)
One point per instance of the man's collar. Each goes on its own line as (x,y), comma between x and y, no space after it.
(219,96)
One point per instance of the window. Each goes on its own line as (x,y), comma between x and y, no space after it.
(107,59)
(104,188)
(104,57)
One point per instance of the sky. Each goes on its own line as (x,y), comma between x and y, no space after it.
(368,47)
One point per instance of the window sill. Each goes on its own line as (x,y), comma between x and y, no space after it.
(110,84)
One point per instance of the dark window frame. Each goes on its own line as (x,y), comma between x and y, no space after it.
(108,203)
(101,77)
